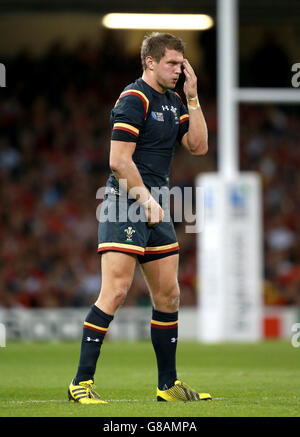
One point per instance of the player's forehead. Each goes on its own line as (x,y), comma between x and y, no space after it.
(172,55)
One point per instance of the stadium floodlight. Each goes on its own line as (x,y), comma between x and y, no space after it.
(157,21)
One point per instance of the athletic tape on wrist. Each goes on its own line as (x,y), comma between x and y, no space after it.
(193,99)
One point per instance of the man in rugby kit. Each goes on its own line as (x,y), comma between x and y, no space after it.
(147,121)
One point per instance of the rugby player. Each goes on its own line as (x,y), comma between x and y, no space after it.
(148,119)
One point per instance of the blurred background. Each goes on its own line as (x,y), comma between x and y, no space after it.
(64,72)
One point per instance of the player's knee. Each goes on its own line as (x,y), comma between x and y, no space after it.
(173,299)
(119,296)
(173,292)
(120,288)
(112,297)
(169,299)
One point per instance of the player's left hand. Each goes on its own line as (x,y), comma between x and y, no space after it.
(190,84)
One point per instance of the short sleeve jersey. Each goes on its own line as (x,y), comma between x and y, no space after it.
(155,122)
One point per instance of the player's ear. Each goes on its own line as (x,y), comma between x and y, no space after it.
(149,62)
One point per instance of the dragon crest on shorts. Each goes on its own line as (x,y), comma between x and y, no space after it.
(129,233)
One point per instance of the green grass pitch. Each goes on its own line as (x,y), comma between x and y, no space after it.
(245,380)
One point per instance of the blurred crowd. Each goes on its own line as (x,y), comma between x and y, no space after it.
(54,148)
(270,138)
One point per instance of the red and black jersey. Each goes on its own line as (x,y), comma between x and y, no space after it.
(155,122)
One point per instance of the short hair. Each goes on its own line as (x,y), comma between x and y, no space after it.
(156,44)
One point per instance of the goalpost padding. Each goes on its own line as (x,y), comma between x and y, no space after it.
(230,259)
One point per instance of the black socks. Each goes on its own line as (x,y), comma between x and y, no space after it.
(164,332)
(94,329)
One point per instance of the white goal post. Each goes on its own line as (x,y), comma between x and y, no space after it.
(229,248)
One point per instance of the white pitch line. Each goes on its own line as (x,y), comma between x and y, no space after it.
(40,401)
(44,401)
(34,401)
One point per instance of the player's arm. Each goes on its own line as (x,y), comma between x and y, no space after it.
(195,139)
(124,168)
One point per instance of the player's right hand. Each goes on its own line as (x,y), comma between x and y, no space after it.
(154,212)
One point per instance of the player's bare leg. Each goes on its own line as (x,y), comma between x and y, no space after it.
(161,278)
(117,275)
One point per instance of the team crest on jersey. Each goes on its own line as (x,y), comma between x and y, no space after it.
(158,116)
(129,233)
(174,110)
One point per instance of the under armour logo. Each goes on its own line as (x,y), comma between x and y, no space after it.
(173,340)
(93,339)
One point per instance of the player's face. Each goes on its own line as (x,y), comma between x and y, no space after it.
(168,69)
